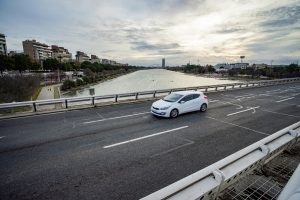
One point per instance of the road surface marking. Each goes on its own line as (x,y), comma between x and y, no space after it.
(119,117)
(225,102)
(245,96)
(273,90)
(144,137)
(2,137)
(252,108)
(284,100)
(211,101)
(280,113)
(175,148)
(238,126)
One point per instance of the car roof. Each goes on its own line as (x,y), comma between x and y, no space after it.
(188,92)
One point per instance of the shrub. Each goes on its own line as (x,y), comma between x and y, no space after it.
(68,84)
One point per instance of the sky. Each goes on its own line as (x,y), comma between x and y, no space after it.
(142,32)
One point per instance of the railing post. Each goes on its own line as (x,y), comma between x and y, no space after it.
(170,92)
(225,87)
(34,107)
(216,88)
(247,85)
(154,94)
(240,85)
(253,84)
(206,89)
(232,86)
(93,101)
(136,96)
(116,98)
(219,177)
(66,103)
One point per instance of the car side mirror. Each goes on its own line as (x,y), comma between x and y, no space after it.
(182,102)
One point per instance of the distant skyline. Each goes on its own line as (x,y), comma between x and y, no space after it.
(142,32)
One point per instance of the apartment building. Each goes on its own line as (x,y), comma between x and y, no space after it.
(61,54)
(3,48)
(95,59)
(81,57)
(36,51)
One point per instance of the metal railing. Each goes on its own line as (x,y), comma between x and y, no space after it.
(210,181)
(91,100)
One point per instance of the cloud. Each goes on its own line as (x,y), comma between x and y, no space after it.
(142,32)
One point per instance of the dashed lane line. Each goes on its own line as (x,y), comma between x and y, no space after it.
(144,137)
(282,100)
(1,137)
(119,117)
(252,108)
(243,127)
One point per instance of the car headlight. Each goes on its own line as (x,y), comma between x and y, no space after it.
(165,108)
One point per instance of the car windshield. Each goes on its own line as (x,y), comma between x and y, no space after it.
(172,97)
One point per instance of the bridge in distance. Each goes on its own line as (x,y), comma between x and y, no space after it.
(123,152)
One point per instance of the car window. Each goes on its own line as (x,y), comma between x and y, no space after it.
(195,96)
(172,97)
(187,98)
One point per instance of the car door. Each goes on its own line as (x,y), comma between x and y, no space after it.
(185,104)
(196,102)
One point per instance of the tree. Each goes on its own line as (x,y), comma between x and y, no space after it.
(22,62)
(210,69)
(6,63)
(51,64)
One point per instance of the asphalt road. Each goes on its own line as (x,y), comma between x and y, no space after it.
(123,152)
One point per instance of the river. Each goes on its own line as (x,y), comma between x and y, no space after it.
(143,80)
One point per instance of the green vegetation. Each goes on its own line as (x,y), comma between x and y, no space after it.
(18,88)
(95,72)
(194,69)
(17,62)
(292,70)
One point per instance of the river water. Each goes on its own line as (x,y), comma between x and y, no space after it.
(143,80)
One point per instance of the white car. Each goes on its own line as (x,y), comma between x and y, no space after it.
(180,102)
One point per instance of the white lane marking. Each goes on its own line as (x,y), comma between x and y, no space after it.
(251,108)
(239,126)
(285,99)
(119,117)
(2,137)
(211,101)
(244,96)
(273,90)
(144,137)
(173,149)
(280,113)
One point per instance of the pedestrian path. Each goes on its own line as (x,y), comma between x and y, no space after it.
(47,92)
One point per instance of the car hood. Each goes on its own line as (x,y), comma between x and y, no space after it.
(161,103)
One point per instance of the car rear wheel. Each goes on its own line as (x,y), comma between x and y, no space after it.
(174,113)
(203,107)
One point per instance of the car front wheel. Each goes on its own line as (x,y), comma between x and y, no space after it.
(174,113)
(203,107)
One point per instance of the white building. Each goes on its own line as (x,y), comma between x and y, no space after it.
(225,66)
(61,54)
(3,48)
(36,51)
(81,57)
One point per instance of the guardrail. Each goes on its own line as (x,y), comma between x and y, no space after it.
(91,100)
(210,181)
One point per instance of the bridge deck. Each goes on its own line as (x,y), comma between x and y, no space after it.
(123,152)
